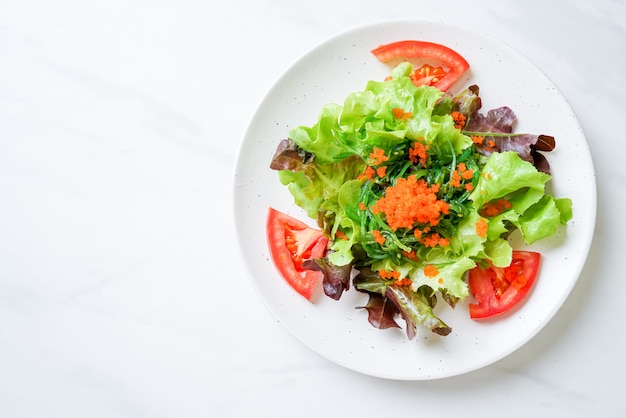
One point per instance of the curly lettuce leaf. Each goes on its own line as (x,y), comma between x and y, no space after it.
(316,187)
(416,310)
(328,193)
(381,312)
(450,276)
(537,215)
(336,278)
(322,164)
(506,173)
(415,307)
(497,126)
(366,120)
(542,219)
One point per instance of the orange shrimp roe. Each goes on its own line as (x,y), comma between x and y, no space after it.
(481,227)
(378,237)
(495,208)
(455,179)
(434,240)
(388,274)
(461,173)
(465,173)
(377,156)
(430,270)
(410,255)
(368,174)
(403,282)
(459,119)
(401,114)
(477,139)
(341,235)
(418,153)
(395,276)
(411,201)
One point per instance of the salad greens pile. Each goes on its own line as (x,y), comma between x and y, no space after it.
(414,187)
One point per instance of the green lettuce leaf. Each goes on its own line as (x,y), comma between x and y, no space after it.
(415,307)
(321,165)
(542,219)
(366,120)
(316,187)
(506,173)
(536,214)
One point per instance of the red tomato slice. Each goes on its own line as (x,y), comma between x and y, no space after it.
(428,75)
(291,242)
(498,289)
(409,50)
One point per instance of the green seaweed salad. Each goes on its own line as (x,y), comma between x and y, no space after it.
(414,188)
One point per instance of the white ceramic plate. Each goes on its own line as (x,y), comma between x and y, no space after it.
(335,329)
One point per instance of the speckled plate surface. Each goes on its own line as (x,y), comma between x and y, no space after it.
(335,329)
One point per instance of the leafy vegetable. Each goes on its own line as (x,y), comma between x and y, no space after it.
(414,188)
(497,127)
(387,300)
(336,278)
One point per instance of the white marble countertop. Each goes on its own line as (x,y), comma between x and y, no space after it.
(119,127)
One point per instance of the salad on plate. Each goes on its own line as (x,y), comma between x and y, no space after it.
(416,193)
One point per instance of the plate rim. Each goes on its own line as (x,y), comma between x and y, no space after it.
(585,249)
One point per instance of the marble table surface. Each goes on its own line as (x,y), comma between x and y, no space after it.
(122,292)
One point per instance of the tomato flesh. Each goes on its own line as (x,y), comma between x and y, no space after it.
(428,75)
(498,289)
(300,243)
(291,242)
(411,49)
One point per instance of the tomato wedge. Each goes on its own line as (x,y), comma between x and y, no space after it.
(291,242)
(498,289)
(428,75)
(410,50)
